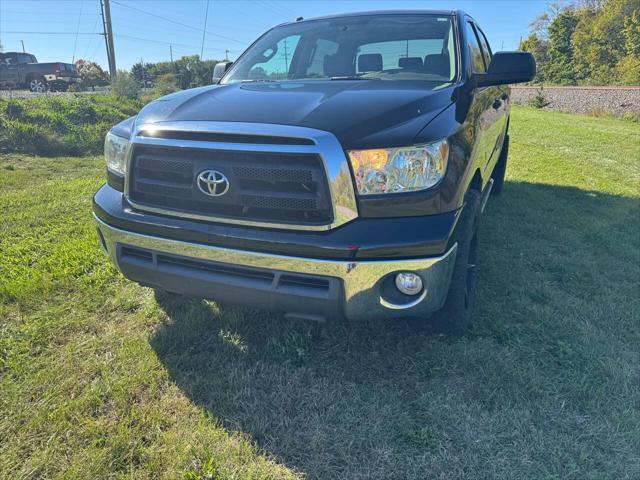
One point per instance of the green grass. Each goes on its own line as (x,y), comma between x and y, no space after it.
(101,379)
(66,125)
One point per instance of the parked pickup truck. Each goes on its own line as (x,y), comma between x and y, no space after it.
(338,169)
(22,70)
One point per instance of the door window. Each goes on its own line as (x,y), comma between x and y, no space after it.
(486,49)
(25,58)
(475,52)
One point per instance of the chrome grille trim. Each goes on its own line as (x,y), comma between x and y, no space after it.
(326,146)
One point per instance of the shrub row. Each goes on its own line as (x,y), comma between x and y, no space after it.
(61,125)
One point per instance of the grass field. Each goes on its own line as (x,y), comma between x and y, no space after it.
(101,379)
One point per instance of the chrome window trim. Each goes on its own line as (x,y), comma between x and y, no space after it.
(326,146)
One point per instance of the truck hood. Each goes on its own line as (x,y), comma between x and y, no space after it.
(361,114)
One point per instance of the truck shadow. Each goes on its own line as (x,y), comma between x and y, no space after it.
(375,399)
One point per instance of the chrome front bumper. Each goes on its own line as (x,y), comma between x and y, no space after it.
(362,282)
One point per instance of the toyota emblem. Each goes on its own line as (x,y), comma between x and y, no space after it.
(212,183)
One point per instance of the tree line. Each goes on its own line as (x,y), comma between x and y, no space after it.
(587,42)
(185,72)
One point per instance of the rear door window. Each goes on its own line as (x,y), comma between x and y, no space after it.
(393,51)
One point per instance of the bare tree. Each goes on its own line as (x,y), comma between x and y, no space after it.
(540,24)
(591,4)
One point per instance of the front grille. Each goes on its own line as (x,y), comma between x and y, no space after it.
(266,187)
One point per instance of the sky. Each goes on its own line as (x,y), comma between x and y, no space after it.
(66,30)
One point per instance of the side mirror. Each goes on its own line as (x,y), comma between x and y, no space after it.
(219,70)
(508,67)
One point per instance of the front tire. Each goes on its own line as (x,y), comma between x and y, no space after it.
(456,316)
(38,85)
(59,87)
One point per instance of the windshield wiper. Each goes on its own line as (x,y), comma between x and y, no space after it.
(352,77)
(256,80)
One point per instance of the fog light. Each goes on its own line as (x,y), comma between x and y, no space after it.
(409,283)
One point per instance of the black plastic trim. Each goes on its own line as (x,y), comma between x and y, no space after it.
(295,294)
(115,181)
(226,137)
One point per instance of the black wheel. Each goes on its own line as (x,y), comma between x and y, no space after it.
(455,317)
(59,87)
(500,169)
(38,85)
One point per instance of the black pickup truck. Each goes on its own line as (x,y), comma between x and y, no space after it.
(22,70)
(338,169)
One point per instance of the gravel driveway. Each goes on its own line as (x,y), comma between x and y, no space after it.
(615,100)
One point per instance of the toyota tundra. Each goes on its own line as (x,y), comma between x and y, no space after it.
(337,170)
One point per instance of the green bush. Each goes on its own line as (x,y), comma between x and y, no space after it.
(539,100)
(124,85)
(61,125)
(166,84)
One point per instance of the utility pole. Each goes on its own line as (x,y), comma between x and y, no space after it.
(286,60)
(108,36)
(226,55)
(23,50)
(171,53)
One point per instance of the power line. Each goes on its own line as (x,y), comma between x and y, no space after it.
(44,19)
(274,7)
(263,24)
(50,33)
(161,42)
(204,30)
(39,21)
(75,42)
(95,25)
(179,23)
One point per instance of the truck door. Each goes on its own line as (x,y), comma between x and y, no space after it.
(8,72)
(500,104)
(483,112)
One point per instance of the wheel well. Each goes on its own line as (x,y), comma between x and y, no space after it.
(476,181)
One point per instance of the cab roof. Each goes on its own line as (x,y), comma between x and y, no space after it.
(382,13)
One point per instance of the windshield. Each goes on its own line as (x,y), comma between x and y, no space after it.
(375,47)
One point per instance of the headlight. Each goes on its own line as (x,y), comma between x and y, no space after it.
(115,153)
(402,169)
